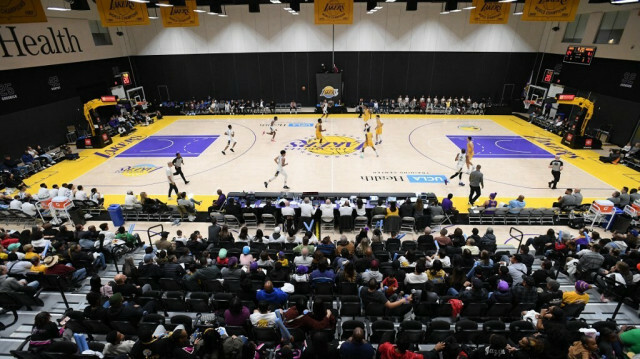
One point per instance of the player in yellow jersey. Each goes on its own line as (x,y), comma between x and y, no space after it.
(319,130)
(379,125)
(366,117)
(368,142)
(469,154)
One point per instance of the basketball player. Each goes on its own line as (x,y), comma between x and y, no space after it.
(319,130)
(368,142)
(272,130)
(325,109)
(280,162)
(461,159)
(378,130)
(230,134)
(469,154)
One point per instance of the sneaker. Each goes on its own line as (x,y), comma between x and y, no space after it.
(604,299)
(187,182)
(266,184)
(232,150)
(272,140)
(461,184)
(549,184)
(223,153)
(285,187)
(263,132)
(361,155)
(169,197)
(377,155)
(446,181)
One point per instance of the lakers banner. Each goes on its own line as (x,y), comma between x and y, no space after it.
(489,12)
(550,10)
(180,16)
(122,13)
(21,12)
(329,12)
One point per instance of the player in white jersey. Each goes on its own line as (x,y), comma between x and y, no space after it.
(325,109)
(461,159)
(230,139)
(280,162)
(272,130)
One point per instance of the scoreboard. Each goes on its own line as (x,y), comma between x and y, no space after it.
(581,55)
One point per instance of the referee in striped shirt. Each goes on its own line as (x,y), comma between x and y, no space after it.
(177,163)
(556,166)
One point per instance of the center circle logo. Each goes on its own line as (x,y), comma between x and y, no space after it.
(138,170)
(332,145)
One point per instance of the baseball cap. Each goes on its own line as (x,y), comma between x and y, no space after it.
(223,253)
(233,261)
(253,266)
(375,264)
(301,269)
(503,286)
(246,250)
(115,299)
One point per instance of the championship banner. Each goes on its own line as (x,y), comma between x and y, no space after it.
(180,16)
(122,13)
(21,12)
(328,12)
(489,12)
(550,10)
(329,87)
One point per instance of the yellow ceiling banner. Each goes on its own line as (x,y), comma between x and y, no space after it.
(21,12)
(550,10)
(122,13)
(490,12)
(328,12)
(180,16)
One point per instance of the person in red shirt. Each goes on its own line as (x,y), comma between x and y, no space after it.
(398,351)
(66,271)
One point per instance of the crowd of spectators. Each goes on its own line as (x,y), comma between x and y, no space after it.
(422,105)
(226,107)
(275,276)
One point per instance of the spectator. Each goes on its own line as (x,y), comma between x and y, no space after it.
(392,210)
(322,274)
(577,296)
(53,267)
(398,351)
(442,239)
(116,344)
(567,200)
(217,204)
(471,246)
(271,295)
(45,335)
(173,269)
(356,347)
(371,294)
(436,273)
(517,269)
(525,291)
(232,271)
(303,259)
(418,275)
(326,246)
(237,314)
(372,273)
(246,258)
(502,295)
(515,205)
(326,210)
(262,317)
(585,348)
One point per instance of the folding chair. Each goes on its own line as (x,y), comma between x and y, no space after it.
(360,223)
(231,221)
(250,220)
(408,224)
(269,220)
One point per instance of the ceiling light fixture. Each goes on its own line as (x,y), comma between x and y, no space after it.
(616,2)
(56,8)
(470,7)
(199,10)
(140,1)
(162,4)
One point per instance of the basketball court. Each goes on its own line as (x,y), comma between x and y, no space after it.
(416,155)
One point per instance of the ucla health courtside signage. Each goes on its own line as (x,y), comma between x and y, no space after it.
(21,11)
(331,12)
(550,10)
(122,13)
(489,12)
(180,16)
